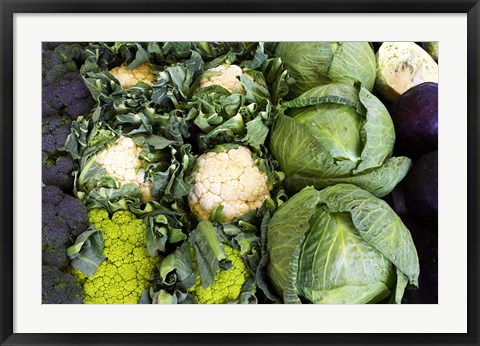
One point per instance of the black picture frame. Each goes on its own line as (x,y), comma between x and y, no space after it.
(10,7)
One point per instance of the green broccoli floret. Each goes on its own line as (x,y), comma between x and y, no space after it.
(228,283)
(128,268)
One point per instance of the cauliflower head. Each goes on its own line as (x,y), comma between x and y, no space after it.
(226,79)
(228,283)
(129,78)
(230,179)
(121,162)
(128,268)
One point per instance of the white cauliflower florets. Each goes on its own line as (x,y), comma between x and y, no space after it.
(129,78)
(227,79)
(122,163)
(231,179)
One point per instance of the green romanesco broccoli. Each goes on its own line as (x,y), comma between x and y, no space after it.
(228,283)
(78,275)
(128,269)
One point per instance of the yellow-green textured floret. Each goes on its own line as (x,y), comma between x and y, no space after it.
(128,268)
(78,275)
(228,283)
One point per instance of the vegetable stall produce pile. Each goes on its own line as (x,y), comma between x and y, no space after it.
(239,172)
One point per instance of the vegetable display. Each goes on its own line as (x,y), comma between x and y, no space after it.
(239,172)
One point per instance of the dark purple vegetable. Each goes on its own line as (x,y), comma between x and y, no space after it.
(58,171)
(59,287)
(421,190)
(55,131)
(427,292)
(415,116)
(59,58)
(426,243)
(67,96)
(64,217)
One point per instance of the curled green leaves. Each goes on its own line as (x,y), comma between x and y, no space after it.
(337,134)
(209,252)
(223,117)
(339,245)
(163,225)
(86,254)
(171,176)
(312,64)
(176,269)
(173,84)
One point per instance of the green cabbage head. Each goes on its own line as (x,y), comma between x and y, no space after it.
(340,245)
(337,133)
(318,63)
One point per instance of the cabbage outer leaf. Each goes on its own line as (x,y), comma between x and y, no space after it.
(379,182)
(377,224)
(285,233)
(339,245)
(312,64)
(343,135)
(337,266)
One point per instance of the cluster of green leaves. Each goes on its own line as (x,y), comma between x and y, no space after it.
(342,134)
(174,121)
(173,117)
(340,245)
(202,255)
(337,243)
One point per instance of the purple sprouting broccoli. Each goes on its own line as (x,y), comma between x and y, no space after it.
(54,66)
(67,96)
(56,166)
(57,171)
(64,217)
(64,91)
(55,131)
(59,287)
(59,58)
(47,46)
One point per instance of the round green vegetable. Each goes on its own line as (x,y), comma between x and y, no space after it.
(128,268)
(340,245)
(337,133)
(318,63)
